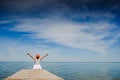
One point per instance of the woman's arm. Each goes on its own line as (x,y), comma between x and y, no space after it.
(44,56)
(31,56)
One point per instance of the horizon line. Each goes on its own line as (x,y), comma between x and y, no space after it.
(62,62)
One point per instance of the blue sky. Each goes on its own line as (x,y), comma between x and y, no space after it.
(70,30)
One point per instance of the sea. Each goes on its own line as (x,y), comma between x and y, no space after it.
(68,70)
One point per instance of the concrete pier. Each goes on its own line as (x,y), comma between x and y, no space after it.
(32,74)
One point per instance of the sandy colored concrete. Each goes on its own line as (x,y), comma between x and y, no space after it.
(32,74)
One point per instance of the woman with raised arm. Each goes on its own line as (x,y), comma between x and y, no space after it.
(37,60)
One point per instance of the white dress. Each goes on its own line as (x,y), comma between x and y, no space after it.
(37,64)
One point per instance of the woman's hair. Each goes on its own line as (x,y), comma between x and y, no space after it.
(37,56)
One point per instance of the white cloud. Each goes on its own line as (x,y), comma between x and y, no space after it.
(5,21)
(86,35)
(93,15)
(17,52)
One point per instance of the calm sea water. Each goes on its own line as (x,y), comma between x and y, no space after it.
(68,71)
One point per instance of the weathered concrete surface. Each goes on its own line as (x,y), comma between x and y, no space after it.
(32,74)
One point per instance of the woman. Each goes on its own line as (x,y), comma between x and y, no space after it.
(37,60)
